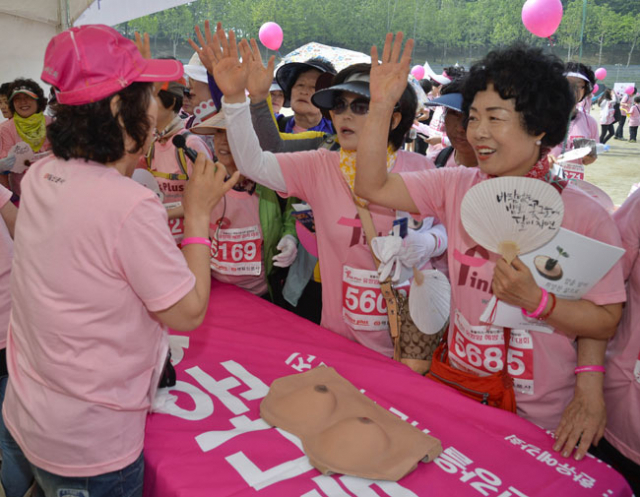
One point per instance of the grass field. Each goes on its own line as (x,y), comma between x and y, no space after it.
(616,170)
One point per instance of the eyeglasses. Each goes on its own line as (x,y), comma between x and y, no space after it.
(359,107)
(186,92)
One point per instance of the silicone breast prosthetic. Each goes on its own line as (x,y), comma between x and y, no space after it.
(342,431)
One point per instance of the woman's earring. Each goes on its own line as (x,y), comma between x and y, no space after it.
(538,142)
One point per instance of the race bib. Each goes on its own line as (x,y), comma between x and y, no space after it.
(363,306)
(573,171)
(480,349)
(237,251)
(177,228)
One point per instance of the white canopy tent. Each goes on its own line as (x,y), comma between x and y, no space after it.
(26,26)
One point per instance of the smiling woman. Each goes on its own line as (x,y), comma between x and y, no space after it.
(324,179)
(29,124)
(518,102)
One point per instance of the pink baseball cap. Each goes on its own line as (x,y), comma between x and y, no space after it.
(88,63)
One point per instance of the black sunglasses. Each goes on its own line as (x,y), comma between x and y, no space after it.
(359,107)
(186,92)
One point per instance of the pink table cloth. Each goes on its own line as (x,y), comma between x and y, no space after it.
(211,441)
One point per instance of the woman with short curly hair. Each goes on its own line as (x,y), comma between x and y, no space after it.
(518,103)
(29,124)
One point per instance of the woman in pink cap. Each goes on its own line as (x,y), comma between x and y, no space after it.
(98,278)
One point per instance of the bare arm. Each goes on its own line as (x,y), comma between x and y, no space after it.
(9,213)
(388,81)
(204,190)
(514,284)
(584,419)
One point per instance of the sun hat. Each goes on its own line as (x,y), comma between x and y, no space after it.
(357,83)
(206,127)
(275,86)
(451,101)
(195,70)
(288,74)
(89,63)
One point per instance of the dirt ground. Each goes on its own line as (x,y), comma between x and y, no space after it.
(619,168)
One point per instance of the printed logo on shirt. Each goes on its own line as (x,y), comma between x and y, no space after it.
(53,178)
(357,235)
(473,259)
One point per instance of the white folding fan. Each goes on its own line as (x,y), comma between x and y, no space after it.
(429,300)
(512,215)
(146,179)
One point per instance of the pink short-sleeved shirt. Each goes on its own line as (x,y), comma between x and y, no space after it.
(634,115)
(352,304)
(541,364)
(93,260)
(237,254)
(622,381)
(582,126)
(6,256)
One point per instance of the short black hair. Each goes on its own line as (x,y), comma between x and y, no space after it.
(426,85)
(92,132)
(636,99)
(455,72)
(32,86)
(170,100)
(586,71)
(454,87)
(5,90)
(535,80)
(407,105)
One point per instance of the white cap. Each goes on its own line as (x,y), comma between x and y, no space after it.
(195,70)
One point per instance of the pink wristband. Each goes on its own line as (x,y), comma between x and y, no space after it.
(589,369)
(541,306)
(197,240)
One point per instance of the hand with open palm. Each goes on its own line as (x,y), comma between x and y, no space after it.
(389,77)
(223,62)
(260,77)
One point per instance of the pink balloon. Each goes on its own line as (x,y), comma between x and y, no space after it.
(629,90)
(601,73)
(595,88)
(542,17)
(271,35)
(418,72)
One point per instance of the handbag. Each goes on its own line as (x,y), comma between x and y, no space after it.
(410,346)
(495,390)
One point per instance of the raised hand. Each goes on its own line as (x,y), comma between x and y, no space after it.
(205,42)
(389,77)
(260,77)
(221,54)
(143,44)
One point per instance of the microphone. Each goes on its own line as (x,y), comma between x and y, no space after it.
(179,141)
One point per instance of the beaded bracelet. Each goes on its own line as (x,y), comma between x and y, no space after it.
(541,306)
(195,240)
(589,369)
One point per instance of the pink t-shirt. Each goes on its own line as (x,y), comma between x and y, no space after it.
(541,364)
(622,381)
(582,126)
(8,138)
(93,260)
(237,254)
(165,161)
(6,256)
(634,115)
(607,112)
(352,304)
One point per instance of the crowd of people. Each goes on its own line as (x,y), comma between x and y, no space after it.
(96,267)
